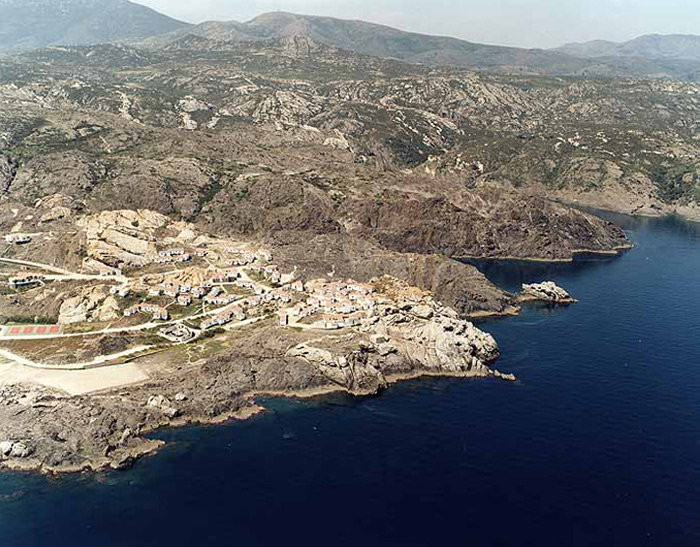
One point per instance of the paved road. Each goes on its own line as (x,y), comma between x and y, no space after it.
(59,274)
(37,265)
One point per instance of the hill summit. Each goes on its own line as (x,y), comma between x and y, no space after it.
(27,24)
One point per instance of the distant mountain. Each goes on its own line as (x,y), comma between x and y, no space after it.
(378,41)
(382,41)
(27,24)
(653,46)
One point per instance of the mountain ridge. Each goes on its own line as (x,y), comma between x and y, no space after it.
(30,24)
(379,40)
(649,46)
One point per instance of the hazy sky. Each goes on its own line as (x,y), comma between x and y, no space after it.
(527,23)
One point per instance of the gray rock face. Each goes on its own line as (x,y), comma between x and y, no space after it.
(20,450)
(8,171)
(547,291)
(355,371)
(10,449)
(163,405)
(91,304)
(444,344)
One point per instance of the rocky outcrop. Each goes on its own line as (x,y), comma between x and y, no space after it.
(57,207)
(547,291)
(163,405)
(356,372)
(411,339)
(122,237)
(92,304)
(14,450)
(299,45)
(338,141)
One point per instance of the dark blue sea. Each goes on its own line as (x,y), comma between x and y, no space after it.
(598,443)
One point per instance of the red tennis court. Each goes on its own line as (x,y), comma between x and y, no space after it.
(32,330)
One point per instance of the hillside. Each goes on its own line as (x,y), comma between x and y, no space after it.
(27,24)
(654,46)
(375,125)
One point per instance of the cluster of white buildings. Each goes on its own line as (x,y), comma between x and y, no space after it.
(337,304)
(17,239)
(159,312)
(241,309)
(193,284)
(240,259)
(224,317)
(172,256)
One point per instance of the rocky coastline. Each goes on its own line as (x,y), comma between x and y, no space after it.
(51,432)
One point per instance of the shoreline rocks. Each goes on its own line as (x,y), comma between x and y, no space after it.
(16,450)
(547,291)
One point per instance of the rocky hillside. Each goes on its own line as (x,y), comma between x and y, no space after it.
(26,24)
(370,127)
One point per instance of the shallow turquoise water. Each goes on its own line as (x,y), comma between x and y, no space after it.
(598,443)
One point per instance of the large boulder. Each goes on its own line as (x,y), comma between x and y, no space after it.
(5,448)
(20,450)
(11,449)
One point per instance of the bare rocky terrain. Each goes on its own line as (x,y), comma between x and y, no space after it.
(344,166)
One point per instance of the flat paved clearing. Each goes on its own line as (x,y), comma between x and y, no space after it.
(73,382)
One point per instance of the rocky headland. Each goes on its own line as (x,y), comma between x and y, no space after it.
(411,336)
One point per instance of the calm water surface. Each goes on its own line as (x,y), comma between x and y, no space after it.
(598,443)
